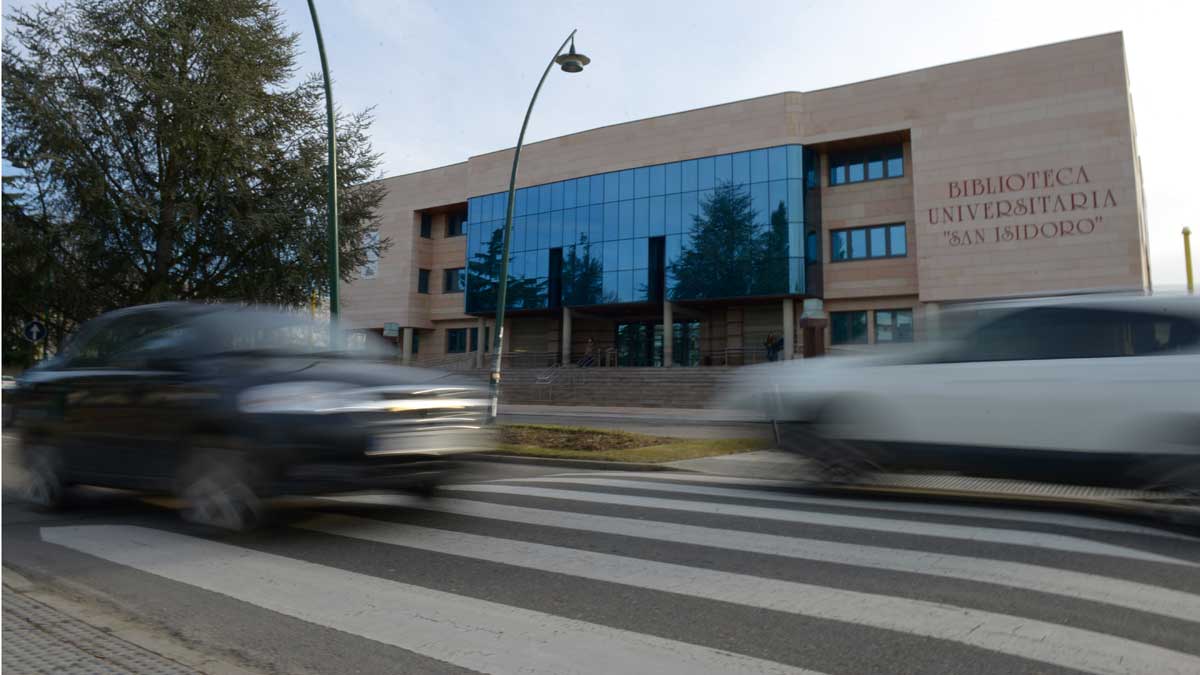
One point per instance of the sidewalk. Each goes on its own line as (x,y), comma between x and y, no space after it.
(42,639)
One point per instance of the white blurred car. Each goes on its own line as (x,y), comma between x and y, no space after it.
(1097,390)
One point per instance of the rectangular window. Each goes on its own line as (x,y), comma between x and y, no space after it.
(371,267)
(893,325)
(864,243)
(848,328)
(422,281)
(856,166)
(474,339)
(456,340)
(456,224)
(454,280)
(427,225)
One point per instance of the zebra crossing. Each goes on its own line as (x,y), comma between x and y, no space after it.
(608,572)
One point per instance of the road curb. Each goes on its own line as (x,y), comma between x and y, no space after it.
(579,463)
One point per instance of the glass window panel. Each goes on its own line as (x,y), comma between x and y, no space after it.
(854,171)
(778,200)
(626,289)
(858,244)
(673,217)
(520,235)
(641,252)
(641,182)
(581,223)
(689,175)
(641,217)
(544,199)
(609,287)
(741,168)
(641,285)
(795,161)
(724,169)
(884,327)
(895,161)
(625,219)
(543,262)
(795,188)
(673,177)
(812,248)
(691,209)
(570,190)
(705,172)
(596,223)
(656,217)
(556,229)
(543,236)
(625,254)
(473,214)
(761,203)
(519,202)
(673,250)
(568,226)
(556,196)
(611,185)
(685,240)
(795,240)
(658,180)
(875,166)
(899,243)
(795,275)
(596,189)
(777,161)
(758,166)
(904,325)
(485,207)
(611,231)
(839,246)
(611,256)
(878,242)
(837,174)
(626,178)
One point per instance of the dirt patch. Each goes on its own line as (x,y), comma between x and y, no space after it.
(576,438)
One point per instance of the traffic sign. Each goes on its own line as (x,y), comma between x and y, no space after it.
(391,329)
(35,331)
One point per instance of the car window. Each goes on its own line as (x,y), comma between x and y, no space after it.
(116,343)
(1075,333)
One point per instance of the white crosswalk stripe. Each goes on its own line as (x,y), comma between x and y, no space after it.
(1055,611)
(1142,597)
(1048,643)
(987,534)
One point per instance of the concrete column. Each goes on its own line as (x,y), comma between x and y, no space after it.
(871,326)
(566,335)
(482,346)
(668,334)
(406,346)
(789,328)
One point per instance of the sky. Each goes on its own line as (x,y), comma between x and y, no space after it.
(451,78)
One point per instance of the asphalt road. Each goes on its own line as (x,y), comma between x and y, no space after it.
(530,569)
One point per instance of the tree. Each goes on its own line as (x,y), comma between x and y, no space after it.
(483,281)
(162,152)
(725,251)
(583,275)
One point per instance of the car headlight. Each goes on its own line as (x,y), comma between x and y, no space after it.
(296,397)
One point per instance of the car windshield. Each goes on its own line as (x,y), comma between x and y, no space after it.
(256,331)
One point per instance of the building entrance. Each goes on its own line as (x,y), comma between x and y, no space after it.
(640,343)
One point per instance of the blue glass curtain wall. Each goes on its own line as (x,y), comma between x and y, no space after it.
(733,225)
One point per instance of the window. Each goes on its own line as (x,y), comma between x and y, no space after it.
(422,281)
(856,166)
(416,342)
(120,342)
(456,340)
(849,328)
(893,325)
(427,225)
(456,224)
(862,243)
(454,280)
(474,339)
(371,267)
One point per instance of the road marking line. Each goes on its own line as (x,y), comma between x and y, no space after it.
(1081,585)
(1016,636)
(970,533)
(471,633)
(1015,515)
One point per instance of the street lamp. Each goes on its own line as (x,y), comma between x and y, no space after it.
(570,62)
(331,174)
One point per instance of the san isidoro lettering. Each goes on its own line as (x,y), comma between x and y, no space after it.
(1065,207)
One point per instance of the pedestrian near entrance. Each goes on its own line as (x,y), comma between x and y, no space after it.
(589,355)
(769,343)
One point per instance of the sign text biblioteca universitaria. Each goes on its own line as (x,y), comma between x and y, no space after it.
(1051,215)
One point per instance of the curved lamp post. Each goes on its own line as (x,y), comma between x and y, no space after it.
(331,173)
(570,62)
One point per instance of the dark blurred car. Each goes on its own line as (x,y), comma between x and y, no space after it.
(1097,390)
(10,388)
(227,405)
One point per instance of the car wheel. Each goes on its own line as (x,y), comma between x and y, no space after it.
(218,492)
(43,486)
(831,460)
